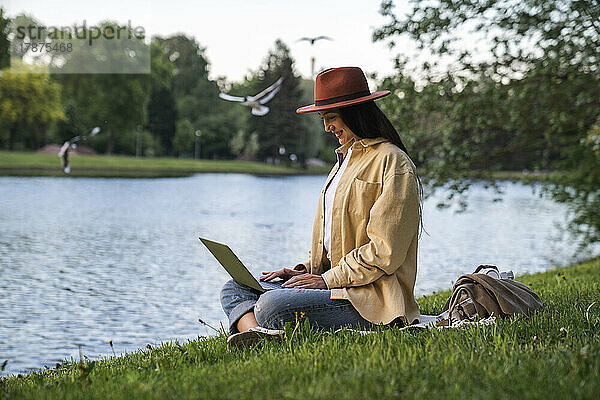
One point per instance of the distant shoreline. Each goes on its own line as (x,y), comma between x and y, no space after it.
(142,173)
(29,164)
(100,166)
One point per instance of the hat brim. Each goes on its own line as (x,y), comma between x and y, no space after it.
(372,96)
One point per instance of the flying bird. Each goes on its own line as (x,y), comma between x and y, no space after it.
(256,102)
(63,153)
(312,40)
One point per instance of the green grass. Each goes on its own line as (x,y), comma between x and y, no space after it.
(35,164)
(553,354)
(515,176)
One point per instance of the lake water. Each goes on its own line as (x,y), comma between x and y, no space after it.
(84,261)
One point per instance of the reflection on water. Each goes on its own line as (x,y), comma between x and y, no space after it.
(84,261)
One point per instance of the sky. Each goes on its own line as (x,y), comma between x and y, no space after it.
(237,34)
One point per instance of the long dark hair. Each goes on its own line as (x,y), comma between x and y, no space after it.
(366,120)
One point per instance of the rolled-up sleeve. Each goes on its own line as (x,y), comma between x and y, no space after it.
(303,265)
(392,226)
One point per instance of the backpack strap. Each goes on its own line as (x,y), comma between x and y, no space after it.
(482,266)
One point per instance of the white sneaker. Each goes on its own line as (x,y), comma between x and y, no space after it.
(254,335)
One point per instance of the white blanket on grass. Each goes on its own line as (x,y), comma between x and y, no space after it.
(428,322)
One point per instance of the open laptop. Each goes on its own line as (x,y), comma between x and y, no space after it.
(236,268)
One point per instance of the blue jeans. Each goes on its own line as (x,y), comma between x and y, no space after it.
(275,307)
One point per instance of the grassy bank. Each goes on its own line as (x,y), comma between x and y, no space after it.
(553,354)
(515,176)
(35,164)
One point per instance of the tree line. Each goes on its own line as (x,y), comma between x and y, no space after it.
(173,111)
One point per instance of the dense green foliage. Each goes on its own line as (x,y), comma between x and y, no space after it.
(281,132)
(162,112)
(175,110)
(553,354)
(29,103)
(116,103)
(4,42)
(194,99)
(529,103)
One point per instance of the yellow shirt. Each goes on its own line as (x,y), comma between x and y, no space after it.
(374,233)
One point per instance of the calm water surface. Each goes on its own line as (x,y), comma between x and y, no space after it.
(84,261)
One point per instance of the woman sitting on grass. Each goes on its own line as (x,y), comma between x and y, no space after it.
(363,260)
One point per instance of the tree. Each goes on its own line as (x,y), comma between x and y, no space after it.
(318,144)
(4,42)
(19,24)
(190,64)
(196,100)
(162,113)
(281,128)
(184,137)
(114,101)
(29,103)
(541,81)
(71,126)
(529,104)
(417,113)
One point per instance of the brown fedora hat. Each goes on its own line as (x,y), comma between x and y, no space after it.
(341,87)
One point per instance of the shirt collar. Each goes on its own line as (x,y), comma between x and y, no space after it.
(366,142)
